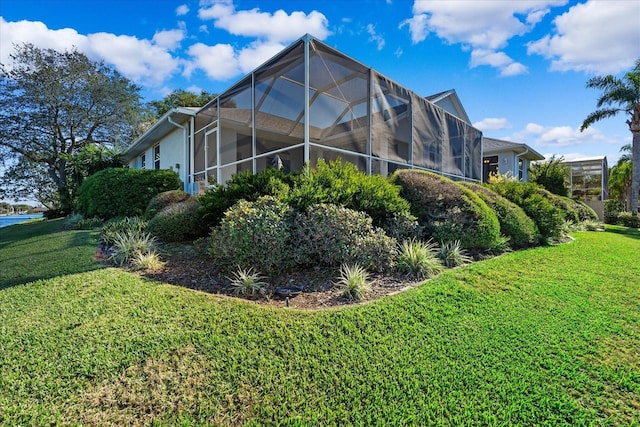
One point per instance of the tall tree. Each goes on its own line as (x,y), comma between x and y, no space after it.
(621,95)
(552,174)
(180,98)
(620,176)
(52,105)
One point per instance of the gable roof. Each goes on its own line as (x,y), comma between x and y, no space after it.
(492,146)
(159,129)
(450,102)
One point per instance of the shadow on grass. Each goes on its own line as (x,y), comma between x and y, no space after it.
(42,250)
(634,233)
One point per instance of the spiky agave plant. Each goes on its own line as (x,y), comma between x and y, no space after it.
(246,281)
(354,281)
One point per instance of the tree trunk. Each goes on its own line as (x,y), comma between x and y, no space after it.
(635,172)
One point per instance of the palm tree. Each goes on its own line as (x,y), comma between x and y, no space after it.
(620,176)
(621,95)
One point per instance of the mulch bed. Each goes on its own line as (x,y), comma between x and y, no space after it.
(188,267)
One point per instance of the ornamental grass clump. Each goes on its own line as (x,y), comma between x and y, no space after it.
(147,261)
(354,281)
(418,259)
(113,228)
(247,282)
(129,245)
(452,254)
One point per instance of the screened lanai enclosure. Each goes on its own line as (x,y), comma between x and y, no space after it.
(312,102)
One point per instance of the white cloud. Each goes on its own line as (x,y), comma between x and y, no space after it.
(219,62)
(257,53)
(398,53)
(484,27)
(182,10)
(168,39)
(491,123)
(144,61)
(595,37)
(273,27)
(375,37)
(558,136)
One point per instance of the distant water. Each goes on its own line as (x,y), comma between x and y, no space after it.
(15,219)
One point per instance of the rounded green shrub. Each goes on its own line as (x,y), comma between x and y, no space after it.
(548,218)
(612,209)
(254,235)
(341,183)
(563,203)
(177,222)
(331,235)
(162,200)
(514,222)
(585,212)
(123,192)
(242,186)
(448,211)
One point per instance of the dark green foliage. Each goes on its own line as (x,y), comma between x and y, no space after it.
(177,222)
(243,186)
(123,192)
(514,222)
(628,220)
(122,225)
(612,209)
(585,212)
(180,98)
(551,174)
(402,226)
(448,211)
(331,235)
(162,200)
(548,218)
(563,203)
(341,183)
(254,235)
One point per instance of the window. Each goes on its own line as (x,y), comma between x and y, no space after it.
(156,157)
(489,166)
(143,161)
(520,169)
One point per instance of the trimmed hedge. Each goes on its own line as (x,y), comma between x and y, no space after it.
(448,211)
(123,192)
(514,222)
(342,183)
(585,212)
(165,199)
(548,218)
(177,222)
(563,203)
(242,186)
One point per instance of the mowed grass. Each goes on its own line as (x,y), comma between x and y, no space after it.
(549,336)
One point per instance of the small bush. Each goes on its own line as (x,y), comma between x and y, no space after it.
(123,192)
(162,200)
(565,204)
(628,219)
(418,259)
(147,261)
(343,184)
(354,281)
(77,222)
(585,212)
(402,226)
(177,222)
(514,222)
(330,235)
(448,211)
(255,234)
(246,282)
(452,255)
(612,209)
(114,227)
(243,186)
(128,246)
(548,218)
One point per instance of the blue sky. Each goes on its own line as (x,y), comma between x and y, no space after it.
(519,67)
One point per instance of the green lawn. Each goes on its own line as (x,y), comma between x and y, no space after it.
(548,336)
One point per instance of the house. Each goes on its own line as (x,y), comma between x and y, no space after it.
(589,181)
(312,102)
(506,157)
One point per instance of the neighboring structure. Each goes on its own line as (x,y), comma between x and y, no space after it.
(507,157)
(589,181)
(311,102)
(165,145)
